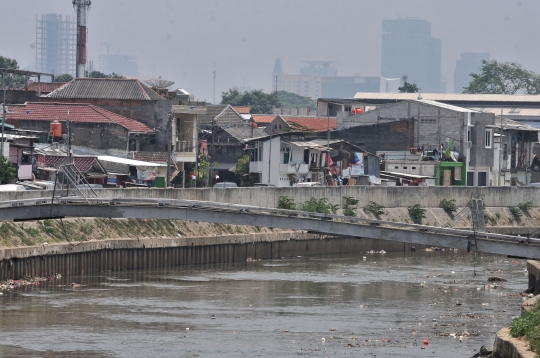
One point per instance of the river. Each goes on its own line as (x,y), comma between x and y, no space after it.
(383,305)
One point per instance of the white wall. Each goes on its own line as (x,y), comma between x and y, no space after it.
(274,163)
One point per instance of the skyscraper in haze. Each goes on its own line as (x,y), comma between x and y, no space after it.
(409,52)
(468,63)
(56,41)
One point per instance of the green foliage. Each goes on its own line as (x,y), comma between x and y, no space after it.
(349,211)
(242,171)
(260,102)
(448,205)
(293,100)
(374,208)
(416,213)
(284,202)
(349,200)
(490,219)
(11,81)
(64,77)
(528,325)
(503,78)
(317,206)
(408,88)
(516,213)
(203,172)
(7,171)
(98,74)
(525,207)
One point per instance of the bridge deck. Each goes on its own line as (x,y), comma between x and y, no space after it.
(204,211)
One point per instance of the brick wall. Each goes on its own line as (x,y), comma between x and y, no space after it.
(92,135)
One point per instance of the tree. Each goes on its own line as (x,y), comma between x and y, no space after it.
(98,74)
(408,88)
(7,171)
(503,78)
(292,100)
(242,171)
(260,102)
(11,81)
(64,77)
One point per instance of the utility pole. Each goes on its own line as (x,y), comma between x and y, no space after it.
(328,131)
(214,93)
(500,149)
(270,152)
(196,152)
(3,115)
(169,140)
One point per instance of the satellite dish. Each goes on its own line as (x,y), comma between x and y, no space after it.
(159,83)
(419,96)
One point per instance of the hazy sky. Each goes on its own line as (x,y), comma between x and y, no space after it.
(180,40)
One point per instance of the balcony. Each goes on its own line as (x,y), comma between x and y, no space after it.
(294,169)
(256,167)
(183,146)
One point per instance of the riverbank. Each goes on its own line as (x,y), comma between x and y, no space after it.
(506,345)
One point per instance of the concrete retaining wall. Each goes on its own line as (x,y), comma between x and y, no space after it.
(508,347)
(389,197)
(114,255)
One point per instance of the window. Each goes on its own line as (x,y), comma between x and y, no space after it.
(404,167)
(482,179)
(396,167)
(413,168)
(488,137)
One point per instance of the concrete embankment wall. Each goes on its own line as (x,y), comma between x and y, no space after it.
(126,254)
(506,345)
(390,197)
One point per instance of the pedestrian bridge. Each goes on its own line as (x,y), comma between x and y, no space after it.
(205,211)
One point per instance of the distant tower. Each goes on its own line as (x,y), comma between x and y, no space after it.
(81,6)
(55,44)
(468,63)
(276,75)
(408,50)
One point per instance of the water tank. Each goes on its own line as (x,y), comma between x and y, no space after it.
(56,128)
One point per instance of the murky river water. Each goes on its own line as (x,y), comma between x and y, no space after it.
(379,307)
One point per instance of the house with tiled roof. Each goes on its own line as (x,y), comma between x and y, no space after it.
(47,165)
(262,120)
(220,115)
(283,124)
(95,130)
(127,97)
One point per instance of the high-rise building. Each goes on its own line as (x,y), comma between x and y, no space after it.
(120,64)
(410,53)
(468,63)
(318,68)
(56,43)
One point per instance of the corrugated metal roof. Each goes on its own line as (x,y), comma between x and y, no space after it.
(106,88)
(245,132)
(509,124)
(76,112)
(367,96)
(132,162)
(314,144)
(446,106)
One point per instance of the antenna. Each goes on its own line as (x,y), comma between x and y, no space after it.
(81,6)
(214,93)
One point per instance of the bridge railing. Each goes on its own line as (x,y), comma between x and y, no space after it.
(245,209)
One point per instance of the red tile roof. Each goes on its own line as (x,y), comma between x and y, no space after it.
(46,87)
(83,164)
(314,124)
(152,157)
(263,118)
(242,109)
(78,112)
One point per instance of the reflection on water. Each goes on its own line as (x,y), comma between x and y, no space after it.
(383,306)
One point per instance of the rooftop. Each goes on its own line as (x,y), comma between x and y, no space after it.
(443,97)
(105,88)
(310,124)
(263,118)
(242,109)
(75,112)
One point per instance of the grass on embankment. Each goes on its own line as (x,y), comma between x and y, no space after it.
(528,326)
(14,234)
